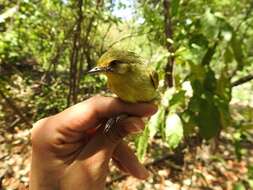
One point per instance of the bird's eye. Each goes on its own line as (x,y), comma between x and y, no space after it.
(115,62)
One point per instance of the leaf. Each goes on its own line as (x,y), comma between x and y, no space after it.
(236,46)
(167,95)
(250,171)
(142,144)
(210,81)
(173,130)
(177,99)
(210,24)
(228,55)
(199,39)
(226,30)
(197,86)
(209,54)
(156,122)
(208,119)
(174,7)
(239,186)
(250,181)
(224,94)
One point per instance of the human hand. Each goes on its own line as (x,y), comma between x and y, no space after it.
(70,150)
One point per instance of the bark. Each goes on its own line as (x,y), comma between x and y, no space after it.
(73,82)
(168,35)
(242,80)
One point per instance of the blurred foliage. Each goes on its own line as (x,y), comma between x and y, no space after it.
(211,49)
(47,46)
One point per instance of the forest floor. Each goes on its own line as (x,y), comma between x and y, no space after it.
(209,166)
(201,168)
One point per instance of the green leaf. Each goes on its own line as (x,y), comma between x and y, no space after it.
(173,130)
(228,55)
(142,144)
(226,30)
(210,24)
(239,186)
(250,181)
(209,54)
(236,46)
(197,86)
(198,39)
(156,122)
(177,100)
(167,95)
(224,94)
(250,171)
(209,81)
(208,119)
(174,7)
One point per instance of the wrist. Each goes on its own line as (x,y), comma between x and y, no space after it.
(40,178)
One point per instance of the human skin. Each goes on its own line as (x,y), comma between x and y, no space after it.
(71,151)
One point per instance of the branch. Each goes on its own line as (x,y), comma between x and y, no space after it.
(73,86)
(242,80)
(126,37)
(104,37)
(169,35)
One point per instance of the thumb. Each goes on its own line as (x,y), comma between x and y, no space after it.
(104,142)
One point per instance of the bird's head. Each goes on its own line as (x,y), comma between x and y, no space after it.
(116,62)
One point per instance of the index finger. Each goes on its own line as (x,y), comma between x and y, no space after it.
(90,113)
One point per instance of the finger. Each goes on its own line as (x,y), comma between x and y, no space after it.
(102,146)
(90,113)
(119,165)
(93,161)
(127,161)
(115,133)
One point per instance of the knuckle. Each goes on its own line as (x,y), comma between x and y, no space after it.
(38,130)
(97,97)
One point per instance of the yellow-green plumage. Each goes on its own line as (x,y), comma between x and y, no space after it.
(128,77)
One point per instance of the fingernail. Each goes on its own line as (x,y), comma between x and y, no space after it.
(143,173)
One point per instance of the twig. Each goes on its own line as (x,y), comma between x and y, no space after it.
(126,37)
(14,123)
(162,159)
(104,37)
(242,80)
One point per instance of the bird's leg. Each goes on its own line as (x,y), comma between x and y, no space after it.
(111,127)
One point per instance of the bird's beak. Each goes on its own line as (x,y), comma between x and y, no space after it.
(99,70)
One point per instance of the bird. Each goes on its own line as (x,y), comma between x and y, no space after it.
(128,77)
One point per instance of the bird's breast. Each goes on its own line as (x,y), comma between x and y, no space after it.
(132,87)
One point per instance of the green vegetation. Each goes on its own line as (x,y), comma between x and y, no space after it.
(202,50)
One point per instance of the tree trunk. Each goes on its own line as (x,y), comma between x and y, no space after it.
(73,82)
(168,35)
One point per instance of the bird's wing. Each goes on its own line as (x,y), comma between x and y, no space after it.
(154,78)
